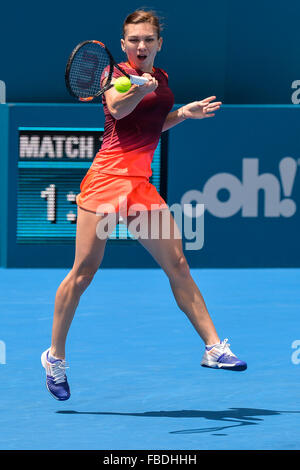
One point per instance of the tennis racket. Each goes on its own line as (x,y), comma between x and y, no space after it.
(88,65)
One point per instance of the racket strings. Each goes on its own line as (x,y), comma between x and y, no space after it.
(90,65)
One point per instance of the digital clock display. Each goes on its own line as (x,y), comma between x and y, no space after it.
(51,165)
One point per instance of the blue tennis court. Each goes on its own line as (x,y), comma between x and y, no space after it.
(134,360)
(111,117)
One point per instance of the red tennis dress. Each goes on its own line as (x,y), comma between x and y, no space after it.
(121,169)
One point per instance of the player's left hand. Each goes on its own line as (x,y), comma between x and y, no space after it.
(201,109)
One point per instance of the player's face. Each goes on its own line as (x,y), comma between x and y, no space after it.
(141,45)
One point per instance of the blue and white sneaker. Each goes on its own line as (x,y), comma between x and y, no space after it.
(219,356)
(56,379)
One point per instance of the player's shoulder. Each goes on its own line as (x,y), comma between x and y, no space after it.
(125,66)
(117,73)
(162,72)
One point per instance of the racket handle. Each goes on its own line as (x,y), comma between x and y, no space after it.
(137,80)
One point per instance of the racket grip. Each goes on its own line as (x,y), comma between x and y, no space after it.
(137,80)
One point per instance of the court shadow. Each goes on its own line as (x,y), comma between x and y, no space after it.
(237,417)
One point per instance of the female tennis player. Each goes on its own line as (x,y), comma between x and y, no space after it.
(120,172)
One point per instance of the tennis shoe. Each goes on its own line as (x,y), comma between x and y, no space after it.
(219,356)
(56,379)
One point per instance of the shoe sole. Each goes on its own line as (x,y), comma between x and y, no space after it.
(234,368)
(43,361)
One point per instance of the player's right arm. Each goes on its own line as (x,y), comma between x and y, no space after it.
(122,104)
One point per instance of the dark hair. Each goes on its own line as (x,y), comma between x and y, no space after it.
(143,16)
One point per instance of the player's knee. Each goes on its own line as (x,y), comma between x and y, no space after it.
(180,267)
(81,280)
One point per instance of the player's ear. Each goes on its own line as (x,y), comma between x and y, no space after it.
(160,41)
(123,45)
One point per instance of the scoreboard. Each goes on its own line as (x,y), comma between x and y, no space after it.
(51,165)
(52,162)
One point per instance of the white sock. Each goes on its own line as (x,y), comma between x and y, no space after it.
(212,345)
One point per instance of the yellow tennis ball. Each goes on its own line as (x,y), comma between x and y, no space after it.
(122,84)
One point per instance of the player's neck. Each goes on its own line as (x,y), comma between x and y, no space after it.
(149,69)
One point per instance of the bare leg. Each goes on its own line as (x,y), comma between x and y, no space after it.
(169,255)
(88,256)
